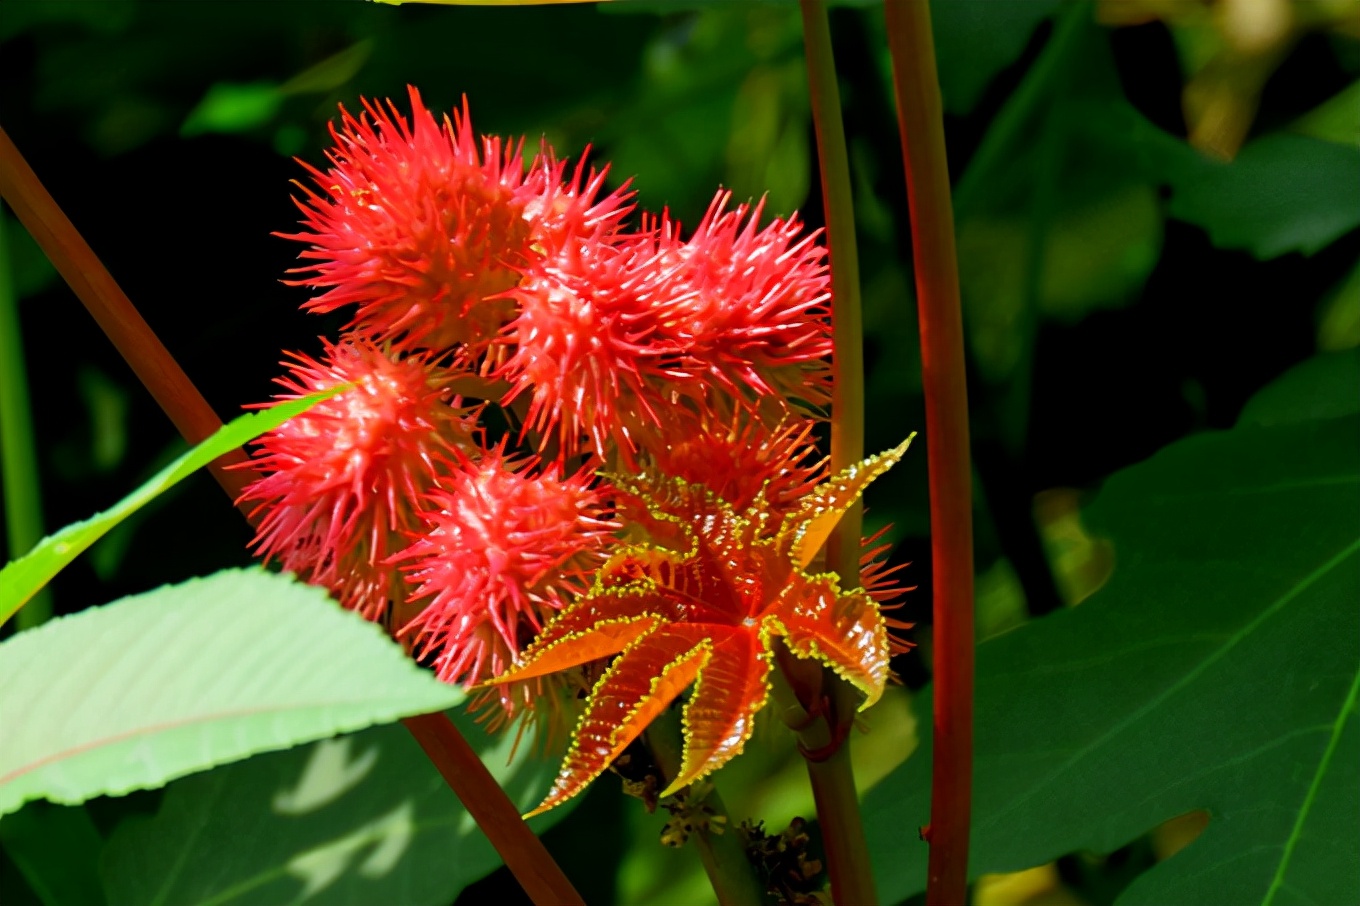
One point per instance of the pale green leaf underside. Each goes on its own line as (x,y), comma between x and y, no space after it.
(22,578)
(152,687)
(1217,670)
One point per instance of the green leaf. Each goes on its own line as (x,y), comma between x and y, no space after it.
(32,271)
(1217,670)
(108,17)
(1097,252)
(56,848)
(358,820)
(976,39)
(1283,193)
(1322,387)
(1339,314)
(1335,119)
(21,578)
(332,72)
(152,687)
(232,107)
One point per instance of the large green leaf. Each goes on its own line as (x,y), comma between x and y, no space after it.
(360,820)
(21,578)
(56,848)
(1283,193)
(1217,670)
(152,687)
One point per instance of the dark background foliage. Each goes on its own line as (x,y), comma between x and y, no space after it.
(1122,291)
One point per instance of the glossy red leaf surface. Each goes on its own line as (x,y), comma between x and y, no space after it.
(705,609)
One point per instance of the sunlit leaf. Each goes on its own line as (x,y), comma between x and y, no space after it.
(1218,669)
(21,578)
(234,107)
(159,685)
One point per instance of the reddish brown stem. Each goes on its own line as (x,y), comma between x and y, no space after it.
(471,782)
(920,118)
(111,308)
(491,808)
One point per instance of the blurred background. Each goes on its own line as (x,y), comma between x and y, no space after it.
(1157,207)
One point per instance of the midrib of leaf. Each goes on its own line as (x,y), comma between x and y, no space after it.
(1237,637)
(1297,830)
(178,725)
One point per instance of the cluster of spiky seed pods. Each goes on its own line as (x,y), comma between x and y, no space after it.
(545,391)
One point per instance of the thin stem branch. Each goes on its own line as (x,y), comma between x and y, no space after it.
(920,118)
(18,454)
(829,769)
(729,871)
(524,854)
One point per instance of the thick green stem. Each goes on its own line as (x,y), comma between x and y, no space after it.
(824,738)
(847,327)
(921,120)
(456,761)
(722,853)
(18,453)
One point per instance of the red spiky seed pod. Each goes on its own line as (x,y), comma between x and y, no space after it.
(423,228)
(340,483)
(506,545)
(614,331)
(585,345)
(749,306)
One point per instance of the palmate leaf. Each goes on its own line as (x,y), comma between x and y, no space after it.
(152,687)
(1218,670)
(707,614)
(360,820)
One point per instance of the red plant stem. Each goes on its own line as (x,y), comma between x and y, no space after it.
(920,118)
(825,738)
(474,785)
(111,308)
(491,808)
